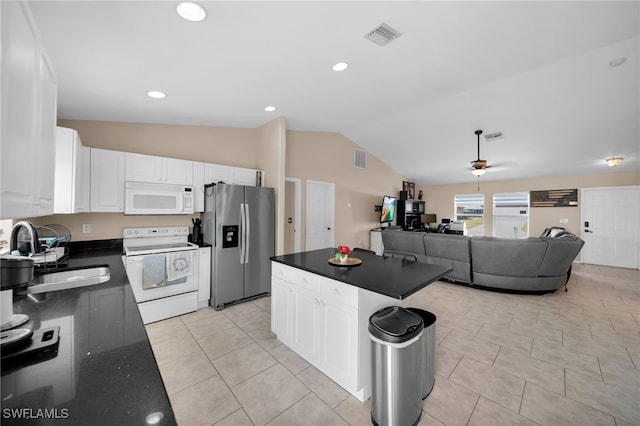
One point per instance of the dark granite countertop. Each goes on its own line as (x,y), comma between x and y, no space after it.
(105,372)
(388,276)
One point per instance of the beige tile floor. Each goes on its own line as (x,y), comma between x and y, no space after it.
(560,359)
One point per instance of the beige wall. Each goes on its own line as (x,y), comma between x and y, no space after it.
(440,198)
(328,157)
(270,151)
(221,145)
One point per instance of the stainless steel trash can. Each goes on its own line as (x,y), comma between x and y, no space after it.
(396,397)
(428,343)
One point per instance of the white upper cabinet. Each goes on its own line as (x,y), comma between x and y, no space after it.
(198,187)
(245,176)
(107,180)
(72,178)
(28,116)
(214,173)
(154,169)
(177,171)
(44,188)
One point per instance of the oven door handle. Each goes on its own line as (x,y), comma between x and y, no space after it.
(241,236)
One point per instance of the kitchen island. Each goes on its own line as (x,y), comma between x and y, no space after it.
(321,311)
(104,372)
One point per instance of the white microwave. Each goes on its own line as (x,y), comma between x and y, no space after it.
(157,198)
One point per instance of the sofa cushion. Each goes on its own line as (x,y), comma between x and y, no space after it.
(560,254)
(403,242)
(447,246)
(451,251)
(507,256)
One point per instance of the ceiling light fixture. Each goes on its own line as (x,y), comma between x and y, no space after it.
(340,66)
(614,161)
(617,62)
(478,172)
(191,11)
(270,108)
(156,94)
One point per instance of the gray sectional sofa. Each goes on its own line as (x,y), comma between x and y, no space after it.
(532,265)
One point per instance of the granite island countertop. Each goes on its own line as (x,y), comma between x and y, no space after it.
(391,277)
(104,373)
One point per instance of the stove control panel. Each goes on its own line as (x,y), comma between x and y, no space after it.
(156,231)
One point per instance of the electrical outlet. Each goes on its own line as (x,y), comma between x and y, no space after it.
(86,228)
(564,220)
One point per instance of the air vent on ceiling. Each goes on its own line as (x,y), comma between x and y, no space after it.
(493,136)
(382,34)
(359,159)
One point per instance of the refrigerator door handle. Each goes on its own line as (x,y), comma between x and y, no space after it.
(242,232)
(247,235)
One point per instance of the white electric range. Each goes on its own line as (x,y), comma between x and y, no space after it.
(162,266)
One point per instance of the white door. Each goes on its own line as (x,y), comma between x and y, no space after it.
(320,214)
(610,226)
(292,215)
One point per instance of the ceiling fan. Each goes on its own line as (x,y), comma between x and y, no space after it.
(479,167)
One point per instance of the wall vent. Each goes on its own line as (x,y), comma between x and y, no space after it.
(359,159)
(493,136)
(382,34)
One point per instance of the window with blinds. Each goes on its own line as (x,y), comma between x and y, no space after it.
(470,209)
(511,215)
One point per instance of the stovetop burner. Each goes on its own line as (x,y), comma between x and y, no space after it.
(153,240)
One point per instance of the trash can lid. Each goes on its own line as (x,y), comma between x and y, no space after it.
(429,318)
(395,324)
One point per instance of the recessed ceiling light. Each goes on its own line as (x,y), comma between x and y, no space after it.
(340,66)
(191,11)
(270,108)
(617,62)
(156,94)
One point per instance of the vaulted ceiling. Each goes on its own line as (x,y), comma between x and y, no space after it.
(539,72)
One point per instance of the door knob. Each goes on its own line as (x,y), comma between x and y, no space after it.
(586,230)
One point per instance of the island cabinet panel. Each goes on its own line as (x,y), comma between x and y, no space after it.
(282,309)
(325,322)
(338,343)
(306,323)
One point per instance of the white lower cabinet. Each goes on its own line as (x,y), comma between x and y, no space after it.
(282,309)
(325,321)
(204,277)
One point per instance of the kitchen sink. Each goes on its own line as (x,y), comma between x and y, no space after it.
(69,278)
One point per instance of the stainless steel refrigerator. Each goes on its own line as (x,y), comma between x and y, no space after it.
(239,222)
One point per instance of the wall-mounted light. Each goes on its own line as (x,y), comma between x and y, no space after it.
(614,161)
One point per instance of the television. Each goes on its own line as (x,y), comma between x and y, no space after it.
(388,209)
